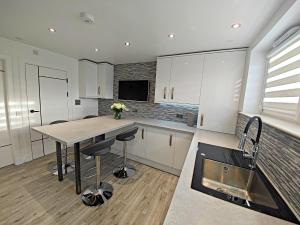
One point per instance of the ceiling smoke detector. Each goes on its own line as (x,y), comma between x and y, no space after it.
(87,18)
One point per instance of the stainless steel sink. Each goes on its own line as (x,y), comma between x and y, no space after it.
(236,181)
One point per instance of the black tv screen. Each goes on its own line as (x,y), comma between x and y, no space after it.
(136,90)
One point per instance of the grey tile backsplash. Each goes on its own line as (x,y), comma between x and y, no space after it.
(279,157)
(145,71)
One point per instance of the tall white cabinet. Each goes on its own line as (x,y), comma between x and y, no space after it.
(220,92)
(95,80)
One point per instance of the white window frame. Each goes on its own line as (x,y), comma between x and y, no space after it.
(292,39)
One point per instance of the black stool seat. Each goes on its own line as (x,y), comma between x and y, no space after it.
(99,148)
(128,135)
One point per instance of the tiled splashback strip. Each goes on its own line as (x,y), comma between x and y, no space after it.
(279,157)
(145,71)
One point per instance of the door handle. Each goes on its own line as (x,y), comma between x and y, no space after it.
(99,90)
(143,130)
(172,93)
(33,111)
(201,119)
(171,140)
(165,90)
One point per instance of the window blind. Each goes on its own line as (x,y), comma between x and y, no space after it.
(282,90)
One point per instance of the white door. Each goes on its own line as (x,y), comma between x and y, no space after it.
(162,83)
(221,85)
(138,145)
(33,99)
(160,147)
(186,78)
(54,101)
(182,145)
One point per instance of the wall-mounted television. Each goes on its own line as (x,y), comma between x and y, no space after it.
(135,90)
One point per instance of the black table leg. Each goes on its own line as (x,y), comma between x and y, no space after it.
(59,161)
(77,167)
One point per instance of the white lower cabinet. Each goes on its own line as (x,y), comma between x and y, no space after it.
(138,145)
(158,146)
(37,149)
(6,157)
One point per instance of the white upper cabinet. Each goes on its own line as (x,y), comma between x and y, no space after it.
(163,75)
(221,85)
(88,79)
(178,79)
(105,80)
(186,77)
(95,80)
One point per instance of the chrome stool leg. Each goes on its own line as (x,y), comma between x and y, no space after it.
(100,193)
(125,170)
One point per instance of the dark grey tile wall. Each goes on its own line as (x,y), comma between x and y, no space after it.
(279,157)
(145,71)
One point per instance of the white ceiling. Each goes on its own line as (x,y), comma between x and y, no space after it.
(198,25)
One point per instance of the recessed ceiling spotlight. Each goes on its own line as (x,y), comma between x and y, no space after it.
(127,44)
(96,49)
(51,29)
(171,36)
(236,25)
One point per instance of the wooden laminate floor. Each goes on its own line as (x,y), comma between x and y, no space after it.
(30,194)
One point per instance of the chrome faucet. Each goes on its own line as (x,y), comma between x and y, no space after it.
(255,143)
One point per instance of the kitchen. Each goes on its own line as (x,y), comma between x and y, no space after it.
(110,119)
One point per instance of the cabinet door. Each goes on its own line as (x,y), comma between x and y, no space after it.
(138,145)
(186,77)
(222,79)
(163,72)
(160,146)
(37,149)
(182,145)
(88,79)
(105,80)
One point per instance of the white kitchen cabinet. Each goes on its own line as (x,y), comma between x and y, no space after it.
(105,80)
(221,85)
(182,145)
(160,146)
(138,145)
(37,149)
(88,79)
(163,75)
(178,79)
(186,77)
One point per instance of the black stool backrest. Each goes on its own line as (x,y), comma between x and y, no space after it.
(129,133)
(99,148)
(89,116)
(58,121)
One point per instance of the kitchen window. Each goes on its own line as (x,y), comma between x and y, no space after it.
(282,89)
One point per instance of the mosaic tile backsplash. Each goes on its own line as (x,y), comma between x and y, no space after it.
(145,71)
(279,157)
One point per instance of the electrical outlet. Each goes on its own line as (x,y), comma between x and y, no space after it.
(134,110)
(77,101)
(180,116)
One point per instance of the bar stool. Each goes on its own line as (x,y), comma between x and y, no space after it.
(125,170)
(67,165)
(99,193)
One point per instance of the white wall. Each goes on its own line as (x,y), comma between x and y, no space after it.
(16,55)
(254,78)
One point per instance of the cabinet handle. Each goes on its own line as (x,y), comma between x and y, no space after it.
(201,119)
(99,90)
(143,133)
(170,140)
(165,92)
(172,93)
